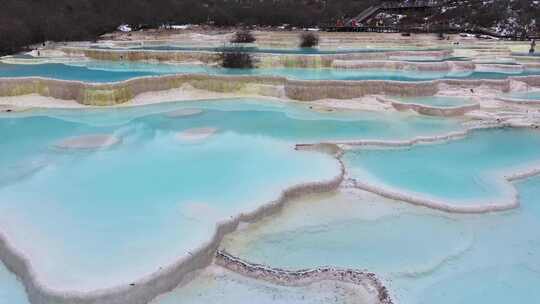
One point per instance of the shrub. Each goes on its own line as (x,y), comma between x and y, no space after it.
(244,36)
(236,59)
(309,40)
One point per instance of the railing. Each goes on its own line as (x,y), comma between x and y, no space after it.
(367,13)
(393,5)
(377,29)
(412,4)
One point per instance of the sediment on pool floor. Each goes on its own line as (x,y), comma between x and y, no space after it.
(88,142)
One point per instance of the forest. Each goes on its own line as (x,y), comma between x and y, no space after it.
(25,22)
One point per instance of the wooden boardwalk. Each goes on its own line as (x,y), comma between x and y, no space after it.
(394,5)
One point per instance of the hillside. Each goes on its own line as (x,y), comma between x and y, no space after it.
(24,22)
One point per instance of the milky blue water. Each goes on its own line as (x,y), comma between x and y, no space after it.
(461,172)
(525,54)
(529,95)
(111,71)
(423,256)
(11,290)
(293,122)
(435,101)
(357,242)
(155,197)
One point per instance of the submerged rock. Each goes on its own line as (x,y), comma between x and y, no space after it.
(88,142)
(184,113)
(196,133)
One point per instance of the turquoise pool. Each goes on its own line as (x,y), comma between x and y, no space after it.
(434,101)
(527,96)
(293,122)
(423,256)
(155,196)
(463,172)
(112,71)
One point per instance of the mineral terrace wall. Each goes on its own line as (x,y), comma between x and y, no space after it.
(302,90)
(262,60)
(165,280)
(143,55)
(458,110)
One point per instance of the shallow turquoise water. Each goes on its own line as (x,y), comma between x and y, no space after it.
(11,290)
(525,54)
(461,172)
(293,122)
(67,72)
(146,202)
(341,243)
(434,101)
(424,256)
(530,95)
(153,198)
(111,71)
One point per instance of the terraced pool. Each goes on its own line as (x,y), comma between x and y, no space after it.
(424,256)
(529,96)
(460,173)
(109,197)
(113,71)
(157,194)
(434,101)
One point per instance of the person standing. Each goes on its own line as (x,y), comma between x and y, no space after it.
(533,46)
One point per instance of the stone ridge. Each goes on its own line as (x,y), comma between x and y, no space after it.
(305,276)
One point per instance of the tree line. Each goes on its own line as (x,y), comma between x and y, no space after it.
(24,22)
